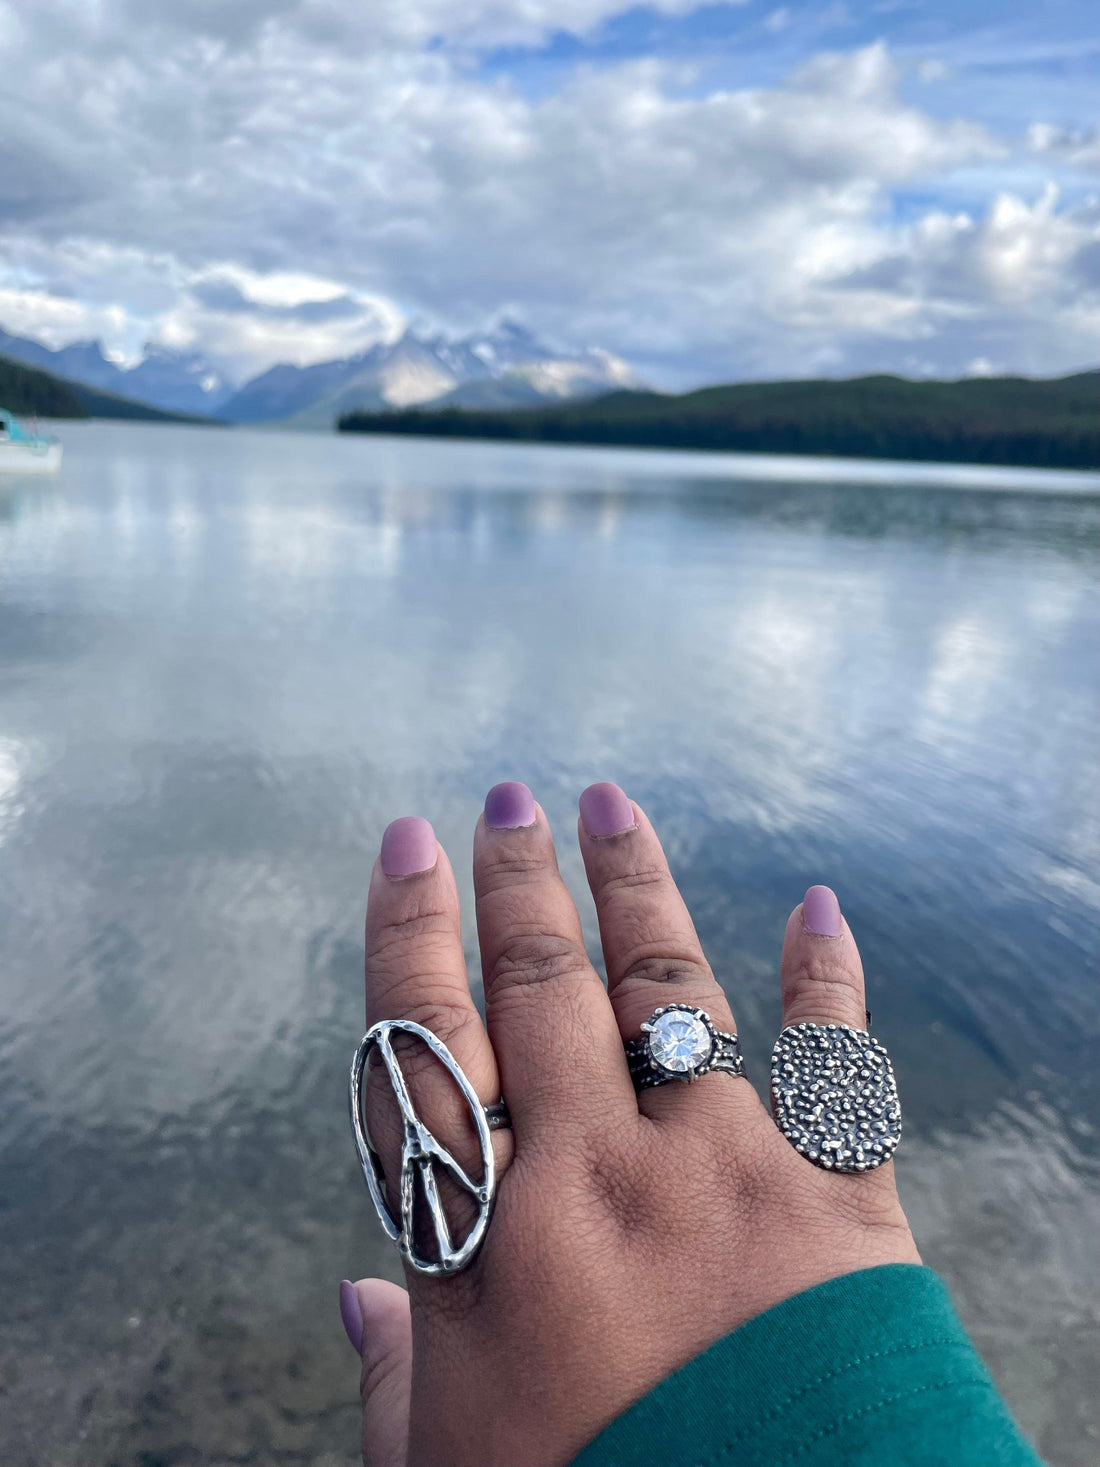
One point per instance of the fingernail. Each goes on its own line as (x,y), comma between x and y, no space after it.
(605,810)
(821,912)
(408,846)
(509,805)
(351,1314)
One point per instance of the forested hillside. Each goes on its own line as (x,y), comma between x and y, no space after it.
(997,420)
(30,392)
(27,391)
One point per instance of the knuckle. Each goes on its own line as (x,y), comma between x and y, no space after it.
(419,924)
(628,882)
(644,965)
(819,990)
(442,1016)
(377,1371)
(528,958)
(411,989)
(503,867)
(419,1065)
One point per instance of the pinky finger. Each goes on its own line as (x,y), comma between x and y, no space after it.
(821,972)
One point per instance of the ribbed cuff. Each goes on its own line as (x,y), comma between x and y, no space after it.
(873,1369)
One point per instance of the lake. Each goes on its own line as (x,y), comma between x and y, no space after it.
(227,659)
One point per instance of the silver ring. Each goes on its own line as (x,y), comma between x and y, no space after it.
(421,1153)
(834,1096)
(681,1042)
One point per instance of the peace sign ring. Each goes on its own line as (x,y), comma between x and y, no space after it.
(421,1153)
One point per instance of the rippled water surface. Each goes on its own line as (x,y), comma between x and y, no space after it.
(228,659)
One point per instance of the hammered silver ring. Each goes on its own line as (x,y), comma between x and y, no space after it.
(422,1154)
(834,1096)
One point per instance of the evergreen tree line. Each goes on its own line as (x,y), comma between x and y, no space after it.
(31,392)
(26,391)
(994,420)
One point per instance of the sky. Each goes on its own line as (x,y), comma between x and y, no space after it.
(714,192)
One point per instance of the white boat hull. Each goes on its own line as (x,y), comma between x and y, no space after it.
(26,458)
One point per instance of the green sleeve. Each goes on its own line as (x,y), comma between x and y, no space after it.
(870,1370)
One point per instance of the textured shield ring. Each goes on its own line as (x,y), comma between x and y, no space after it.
(681,1042)
(834,1096)
(422,1154)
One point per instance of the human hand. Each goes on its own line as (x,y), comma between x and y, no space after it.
(630,1232)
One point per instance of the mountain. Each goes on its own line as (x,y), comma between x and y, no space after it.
(179,381)
(503,366)
(282,391)
(175,381)
(30,391)
(1049,423)
(587,374)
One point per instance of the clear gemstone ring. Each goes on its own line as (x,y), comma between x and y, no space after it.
(681,1042)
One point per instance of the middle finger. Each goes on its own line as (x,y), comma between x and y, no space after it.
(548,1015)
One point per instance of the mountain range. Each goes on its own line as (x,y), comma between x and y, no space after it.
(175,381)
(505,366)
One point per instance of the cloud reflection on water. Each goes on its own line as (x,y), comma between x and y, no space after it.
(235,657)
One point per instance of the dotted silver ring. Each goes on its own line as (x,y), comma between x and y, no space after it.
(834,1096)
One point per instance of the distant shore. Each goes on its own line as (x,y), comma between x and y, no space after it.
(1011,421)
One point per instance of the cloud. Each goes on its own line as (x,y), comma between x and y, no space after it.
(251,320)
(245,319)
(1078,147)
(290,181)
(1014,287)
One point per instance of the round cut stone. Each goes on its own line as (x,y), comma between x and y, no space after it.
(679,1042)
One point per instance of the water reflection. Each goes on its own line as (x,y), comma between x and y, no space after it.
(228,659)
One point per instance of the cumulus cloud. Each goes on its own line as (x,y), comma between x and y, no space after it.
(289,181)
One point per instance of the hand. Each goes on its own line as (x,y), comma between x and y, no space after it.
(630,1232)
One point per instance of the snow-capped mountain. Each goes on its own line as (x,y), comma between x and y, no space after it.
(529,383)
(178,381)
(505,366)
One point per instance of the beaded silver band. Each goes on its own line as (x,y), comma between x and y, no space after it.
(681,1042)
(834,1096)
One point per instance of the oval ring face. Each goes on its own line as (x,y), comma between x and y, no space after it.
(421,1153)
(834,1096)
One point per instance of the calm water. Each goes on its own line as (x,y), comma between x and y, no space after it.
(228,659)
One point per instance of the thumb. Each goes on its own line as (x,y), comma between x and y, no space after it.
(376,1317)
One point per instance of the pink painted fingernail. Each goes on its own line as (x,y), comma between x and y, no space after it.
(821,912)
(509,806)
(605,810)
(408,846)
(351,1314)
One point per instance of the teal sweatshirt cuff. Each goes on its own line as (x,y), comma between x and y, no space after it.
(870,1370)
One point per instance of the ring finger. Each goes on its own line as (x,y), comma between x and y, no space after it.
(651,949)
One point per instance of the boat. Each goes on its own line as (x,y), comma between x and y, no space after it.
(23,452)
